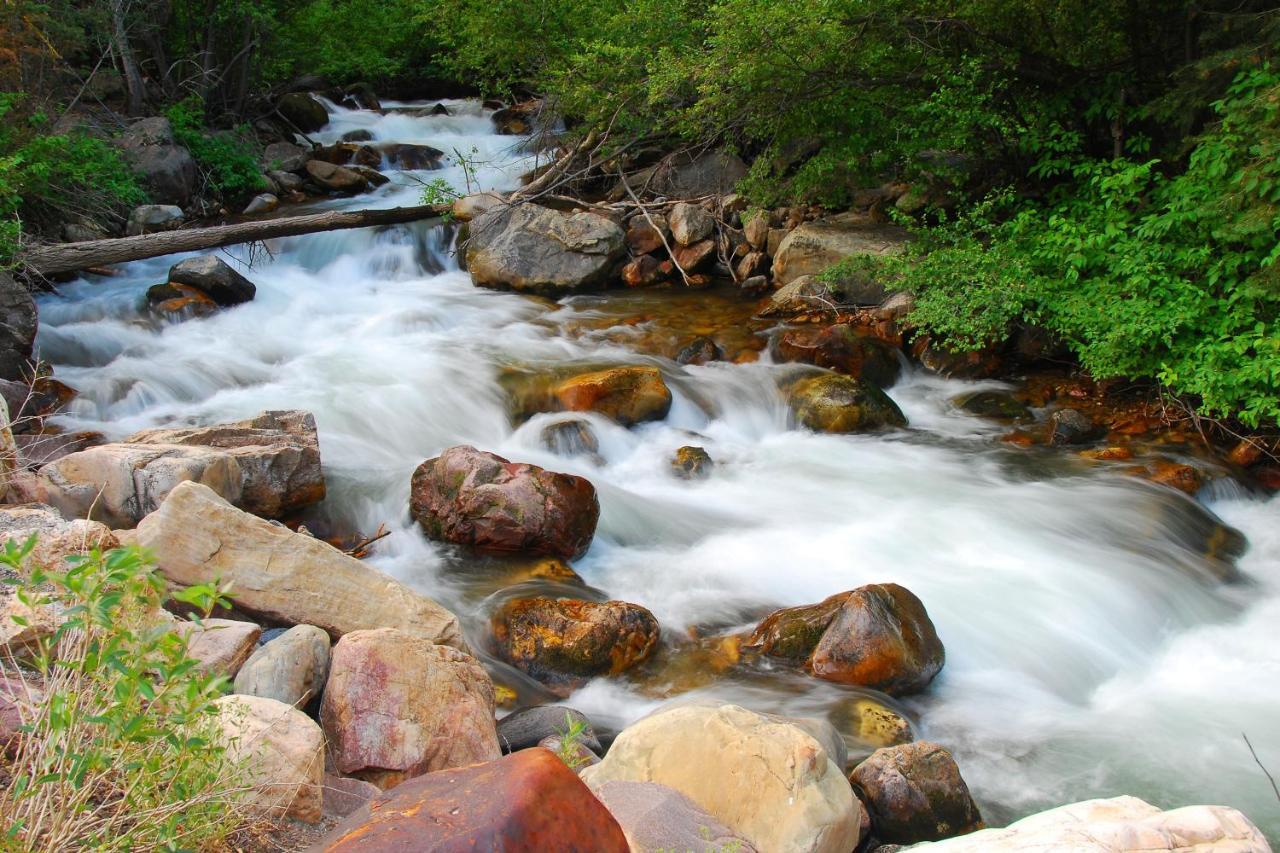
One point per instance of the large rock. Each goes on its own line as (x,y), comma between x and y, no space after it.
(303,111)
(56,537)
(629,395)
(842,349)
(881,637)
(282,752)
(813,246)
(479,499)
(397,706)
(658,819)
(792,633)
(528,800)
(153,218)
(278,454)
(842,404)
(122,483)
(23,627)
(915,793)
(1117,825)
(528,727)
(340,179)
(768,781)
(468,207)
(280,575)
(564,642)
(291,669)
(285,157)
(535,249)
(688,175)
(168,171)
(214,277)
(690,223)
(18,322)
(220,646)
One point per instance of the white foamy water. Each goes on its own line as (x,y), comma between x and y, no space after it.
(1091,650)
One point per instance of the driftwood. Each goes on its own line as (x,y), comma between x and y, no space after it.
(51,259)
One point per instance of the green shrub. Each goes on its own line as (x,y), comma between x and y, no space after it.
(119,750)
(226,160)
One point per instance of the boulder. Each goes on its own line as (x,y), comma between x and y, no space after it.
(842,404)
(756,231)
(751,265)
(285,157)
(469,497)
(658,819)
(360,134)
(406,156)
(176,303)
(288,182)
(881,638)
(768,781)
(278,454)
(348,154)
(629,395)
(535,249)
(692,463)
(1071,426)
(914,792)
(337,178)
(291,669)
(153,218)
(282,576)
(20,702)
(122,483)
(802,295)
(564,642)
(644,271)
(1116,825)
(468,207)
(690,223)
(153,130)
(167,170)
(282,752)
(303,111)
(23,627)
(997,405)
(262,203)
(214,277)
(702,350)
(220,646)
(688,175)
(813,246)
(57,538)
(343,795)
(528,800)
(397,706)
(842,349)
(644,236)
(792,633)
(871,723)
(569,438)
(528,727)
(18,322)
(695,256)
(961,364)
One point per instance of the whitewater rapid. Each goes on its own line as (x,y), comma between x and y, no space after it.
(1091,648)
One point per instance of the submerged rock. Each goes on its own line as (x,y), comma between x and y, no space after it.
(628,395)
(397,706)
(768,781)
(469,497)
(564,642)
(913,793)
(534,249)
(1071,426)
(692,463)
(528,800)
(702,350)
(570,438)
(842,404)
(997,405)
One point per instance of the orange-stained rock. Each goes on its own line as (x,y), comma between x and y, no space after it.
(842,349)
(792,633)
(971,364)
(564,642)
(629,395)
(1246,453)
(397,706)
(693,257)
(643,271)
(469,497)
(881,638)
(528,800)
(1175,475)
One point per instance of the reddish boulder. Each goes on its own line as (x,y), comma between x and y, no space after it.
(793,632)
(914,793)
(528,800)
(642,271)
(882,637)
(645,236)
(695,256)
(630,394)
(474,498)
(564,642)
(842,349)
(397,706)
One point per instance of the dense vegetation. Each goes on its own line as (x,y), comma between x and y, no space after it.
(1105,170)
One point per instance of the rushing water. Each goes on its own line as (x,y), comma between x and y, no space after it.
(1091,647)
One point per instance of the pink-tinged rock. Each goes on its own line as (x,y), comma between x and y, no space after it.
(469,497)
(221,646)
(343,795)
(527,801)
(397,706)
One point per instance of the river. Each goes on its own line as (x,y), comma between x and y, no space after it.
(1092,648)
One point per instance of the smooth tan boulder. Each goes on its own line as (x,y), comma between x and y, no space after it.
(766,780)
(281,753)
(221,646)
(22,626)
(119,484)
(813,246)
(56,537)
(534,249)
(1116,825)
(291,669)
(397,706)
(280,575)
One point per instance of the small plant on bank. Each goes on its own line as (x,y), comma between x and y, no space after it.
(570,749)
(118,747)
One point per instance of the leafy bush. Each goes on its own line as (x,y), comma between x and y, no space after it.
(48,179)
(230,170)
(118,751)
(1141,274)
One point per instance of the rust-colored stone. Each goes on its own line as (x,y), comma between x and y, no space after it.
(844,350)
(792,633)
(642,271)
(694,257)
(528,800)
(629,395)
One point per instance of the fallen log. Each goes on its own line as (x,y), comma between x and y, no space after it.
(54,258)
